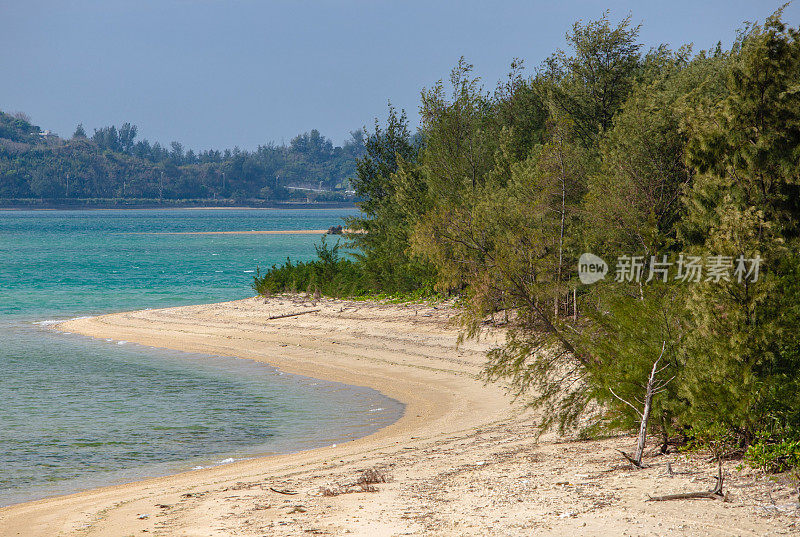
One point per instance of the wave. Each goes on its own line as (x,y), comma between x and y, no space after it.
(51,322)
(218,463)
(48,322)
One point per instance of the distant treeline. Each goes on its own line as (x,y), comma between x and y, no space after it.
(681,169)
(114,164)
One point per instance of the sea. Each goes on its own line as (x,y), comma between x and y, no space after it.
(78,413)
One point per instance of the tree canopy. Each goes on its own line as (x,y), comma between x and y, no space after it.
(683,166)
(114,163)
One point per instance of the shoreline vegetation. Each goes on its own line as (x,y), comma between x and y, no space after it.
(461,460)
(632,216)
(520,375)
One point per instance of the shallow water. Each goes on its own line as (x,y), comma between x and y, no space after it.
(77,412)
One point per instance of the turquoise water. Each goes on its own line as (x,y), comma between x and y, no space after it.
(77,412)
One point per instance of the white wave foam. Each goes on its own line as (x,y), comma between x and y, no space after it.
(51,322)
(229,460)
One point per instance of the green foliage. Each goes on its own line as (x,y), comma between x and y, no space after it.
(590,85)
(742,338)
(626,337)
(745,146)
(616,152)
(775,453)
(17,128)
(640,155)
(329,274)
(113,164)
(388,182)
(519,107)
(634,203)
(384,149)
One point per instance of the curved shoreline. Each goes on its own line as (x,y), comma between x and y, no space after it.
(461,461)
(405,352)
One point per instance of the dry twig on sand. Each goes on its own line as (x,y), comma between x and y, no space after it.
(715,494)
(285,315)
(287,492)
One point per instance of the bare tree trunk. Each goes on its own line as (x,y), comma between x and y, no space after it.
(648,399)
(563,218)
(574,303)
(653,387)
(640,445)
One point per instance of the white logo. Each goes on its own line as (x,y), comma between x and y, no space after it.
(591,268)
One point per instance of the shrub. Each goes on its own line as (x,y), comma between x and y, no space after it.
(774,453)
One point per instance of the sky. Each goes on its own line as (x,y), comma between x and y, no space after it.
(225,73)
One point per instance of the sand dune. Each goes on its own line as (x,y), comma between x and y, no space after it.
(461,461)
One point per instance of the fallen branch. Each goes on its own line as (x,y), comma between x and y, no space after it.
(708,494)
(291,314)
(283,492)
(715,494)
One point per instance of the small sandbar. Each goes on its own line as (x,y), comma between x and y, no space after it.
(251,232)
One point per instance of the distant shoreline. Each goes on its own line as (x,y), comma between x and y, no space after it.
(83,205)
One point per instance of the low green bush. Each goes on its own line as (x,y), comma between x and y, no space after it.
(775,453)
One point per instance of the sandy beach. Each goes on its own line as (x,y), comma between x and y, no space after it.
(463,460)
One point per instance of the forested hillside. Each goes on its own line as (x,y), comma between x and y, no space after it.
(112,164)
(631,216)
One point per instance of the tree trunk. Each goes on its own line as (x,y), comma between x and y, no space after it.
(653,387)
(648,399)
(563,222)
(574,303)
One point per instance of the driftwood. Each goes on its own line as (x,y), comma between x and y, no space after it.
(288,493)
(271,317)
(706,494)
(715,494)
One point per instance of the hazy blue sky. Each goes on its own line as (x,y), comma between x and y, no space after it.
(214,73)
